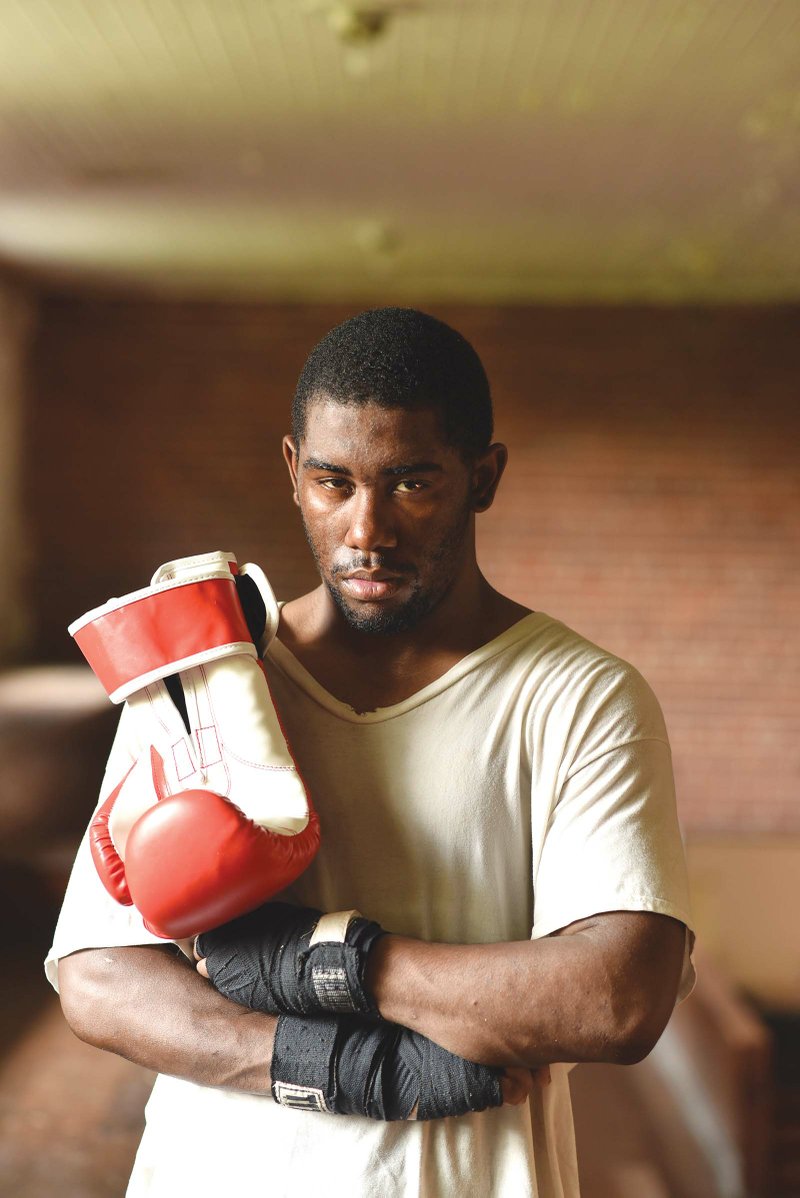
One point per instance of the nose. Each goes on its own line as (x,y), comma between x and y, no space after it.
(371,526)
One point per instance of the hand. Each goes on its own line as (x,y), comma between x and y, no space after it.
(288,960)
(201,961)
(518,1083)
(347,1065)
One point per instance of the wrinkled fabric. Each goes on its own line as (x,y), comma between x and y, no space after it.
(528,787)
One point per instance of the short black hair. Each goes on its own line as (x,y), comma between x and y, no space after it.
(401,358)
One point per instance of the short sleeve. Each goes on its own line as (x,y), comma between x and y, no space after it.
(89,917)
(613,842)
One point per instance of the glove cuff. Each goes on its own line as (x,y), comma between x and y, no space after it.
(190,614)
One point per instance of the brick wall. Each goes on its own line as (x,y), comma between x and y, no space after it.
(17,315)
(652,499)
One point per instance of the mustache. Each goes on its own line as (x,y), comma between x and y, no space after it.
(371,561)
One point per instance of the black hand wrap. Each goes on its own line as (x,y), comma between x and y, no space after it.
(277,960)
(347,1067)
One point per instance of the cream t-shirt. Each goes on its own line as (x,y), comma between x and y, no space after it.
(529,786)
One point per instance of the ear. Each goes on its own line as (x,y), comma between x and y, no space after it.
(486,474)
(291,455)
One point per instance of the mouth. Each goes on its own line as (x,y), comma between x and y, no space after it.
(369,586)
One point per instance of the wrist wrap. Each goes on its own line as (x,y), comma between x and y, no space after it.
(347,1067)
(293,960)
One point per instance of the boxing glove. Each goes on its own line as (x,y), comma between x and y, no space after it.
(212,818)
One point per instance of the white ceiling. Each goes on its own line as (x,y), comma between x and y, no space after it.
(474,149)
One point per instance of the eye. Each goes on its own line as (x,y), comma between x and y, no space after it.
(334,484)
(410,486)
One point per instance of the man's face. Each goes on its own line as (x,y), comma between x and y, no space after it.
(386,508)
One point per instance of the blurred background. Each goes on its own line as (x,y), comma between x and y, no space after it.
(603,197)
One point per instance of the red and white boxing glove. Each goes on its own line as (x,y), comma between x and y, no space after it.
(210,821)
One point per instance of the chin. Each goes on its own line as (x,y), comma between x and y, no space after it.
(383,620)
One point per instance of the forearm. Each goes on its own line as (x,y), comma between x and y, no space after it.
(564,998)
(150,1006)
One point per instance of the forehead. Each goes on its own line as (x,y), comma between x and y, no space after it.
(367,435)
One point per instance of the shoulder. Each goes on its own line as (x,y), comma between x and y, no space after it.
(578,682)
(299,622)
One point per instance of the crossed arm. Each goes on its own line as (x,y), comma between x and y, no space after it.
(600,990)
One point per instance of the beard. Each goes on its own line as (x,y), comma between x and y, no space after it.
(400,619)
(439,566)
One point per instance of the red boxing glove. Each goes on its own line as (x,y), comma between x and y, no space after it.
(194,861)
(213,820)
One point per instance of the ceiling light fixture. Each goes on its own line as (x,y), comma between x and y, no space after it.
(355,25)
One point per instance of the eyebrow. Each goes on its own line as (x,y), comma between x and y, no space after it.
(312,463)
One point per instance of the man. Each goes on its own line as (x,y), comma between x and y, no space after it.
(494,789)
